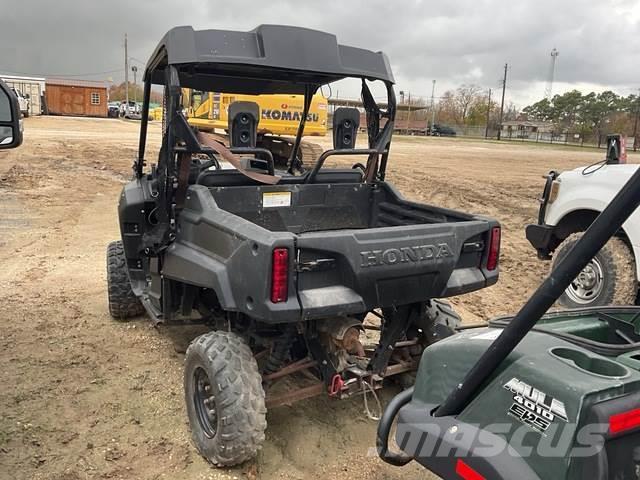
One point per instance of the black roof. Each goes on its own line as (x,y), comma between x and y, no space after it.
(268,59)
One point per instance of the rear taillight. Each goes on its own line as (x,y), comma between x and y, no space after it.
(279,275)
(622,422)
(494,249)
(466,472)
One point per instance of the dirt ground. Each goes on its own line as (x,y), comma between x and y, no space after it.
(85,397)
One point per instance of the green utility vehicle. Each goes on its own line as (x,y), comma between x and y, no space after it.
(535,396)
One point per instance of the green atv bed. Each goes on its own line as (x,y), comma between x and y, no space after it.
(542,396)
(564,399)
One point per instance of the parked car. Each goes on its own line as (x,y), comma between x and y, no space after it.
(23,101)
(113,110)
(130,111)
(441,131)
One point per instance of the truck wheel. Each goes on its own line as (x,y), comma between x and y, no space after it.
(224,397)
(122,301)
(608,279)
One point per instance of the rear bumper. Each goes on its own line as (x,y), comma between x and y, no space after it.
(541,237)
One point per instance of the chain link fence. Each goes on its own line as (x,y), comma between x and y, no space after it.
(576,139)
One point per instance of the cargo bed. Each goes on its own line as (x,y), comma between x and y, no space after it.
(319,207)
(352,247)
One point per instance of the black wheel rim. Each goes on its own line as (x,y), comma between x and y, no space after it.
(205,403)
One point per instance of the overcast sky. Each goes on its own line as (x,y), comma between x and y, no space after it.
(454,42)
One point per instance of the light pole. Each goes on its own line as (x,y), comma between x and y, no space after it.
(635,124)
(433,104)
(409,116)
(126,75)
(134,69)
(486,128)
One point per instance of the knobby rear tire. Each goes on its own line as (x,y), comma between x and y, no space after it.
(123,303)
(234,433)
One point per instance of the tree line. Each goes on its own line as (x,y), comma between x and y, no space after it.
(593,114)
(465,106)
(117,93)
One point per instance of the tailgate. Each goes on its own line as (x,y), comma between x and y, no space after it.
(351,271)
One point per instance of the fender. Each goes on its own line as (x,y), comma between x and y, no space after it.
(186,264)
(594,191)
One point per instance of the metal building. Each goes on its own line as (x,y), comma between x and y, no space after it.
(33,87)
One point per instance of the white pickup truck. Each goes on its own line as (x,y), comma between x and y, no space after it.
(23,101)
(570,202)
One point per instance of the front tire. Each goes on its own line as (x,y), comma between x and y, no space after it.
(225,399)
(123,303)
(608,279)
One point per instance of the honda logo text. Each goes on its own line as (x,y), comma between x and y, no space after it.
(393,256)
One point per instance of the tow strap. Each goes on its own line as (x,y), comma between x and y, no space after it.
(210,141)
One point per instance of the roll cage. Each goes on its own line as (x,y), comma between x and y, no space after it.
(269,59)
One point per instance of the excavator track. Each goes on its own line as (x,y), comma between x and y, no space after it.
(310,152)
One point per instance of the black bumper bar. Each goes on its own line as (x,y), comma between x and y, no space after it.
(542,238)
(541,235)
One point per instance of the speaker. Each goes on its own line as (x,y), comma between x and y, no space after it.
(243,124)
(345,127)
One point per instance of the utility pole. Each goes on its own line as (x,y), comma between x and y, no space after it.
(635,124)
(126,75)
(433,104)
(486,130)
(504,87)
(134,69)
(409,115)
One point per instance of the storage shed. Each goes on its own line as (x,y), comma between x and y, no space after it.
(30,87)
(76,97)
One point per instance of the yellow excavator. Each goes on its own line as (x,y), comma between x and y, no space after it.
(279,120)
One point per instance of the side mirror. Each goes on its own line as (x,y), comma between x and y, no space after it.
(10,121)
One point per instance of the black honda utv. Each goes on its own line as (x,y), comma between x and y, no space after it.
(286,266)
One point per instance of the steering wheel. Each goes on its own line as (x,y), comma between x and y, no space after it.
(212,162)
